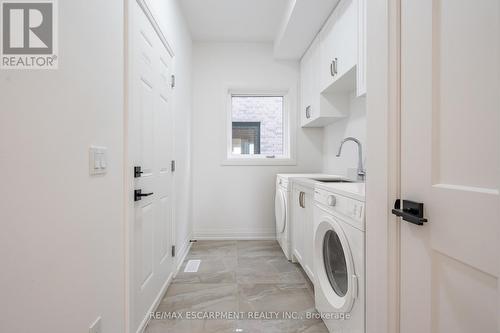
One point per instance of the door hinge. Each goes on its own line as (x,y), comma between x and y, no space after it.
(172,166)
(173,250)
(172,83)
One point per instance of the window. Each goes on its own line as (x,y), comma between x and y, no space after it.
(258,129)
(246,138)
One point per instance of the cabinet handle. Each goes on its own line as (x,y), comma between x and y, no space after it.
(335,66)
(332,73)
(301,200)
(308,112)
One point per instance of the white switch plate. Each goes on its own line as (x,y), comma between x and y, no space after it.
(96,326)
(98,160)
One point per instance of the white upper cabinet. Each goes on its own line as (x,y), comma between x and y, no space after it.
(316,109)
(333,67)
(309,81)
(339,44)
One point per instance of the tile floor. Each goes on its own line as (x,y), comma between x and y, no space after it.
(239,277)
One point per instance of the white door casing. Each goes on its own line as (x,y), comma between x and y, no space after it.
(150,146)
(450,161)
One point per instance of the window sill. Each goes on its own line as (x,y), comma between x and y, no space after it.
(258,161)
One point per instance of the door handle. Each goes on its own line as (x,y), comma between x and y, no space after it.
(138,195)
(411,211)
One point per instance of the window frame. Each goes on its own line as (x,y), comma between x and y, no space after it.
(288,157)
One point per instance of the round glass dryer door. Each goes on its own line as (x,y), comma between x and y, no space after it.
(335,263)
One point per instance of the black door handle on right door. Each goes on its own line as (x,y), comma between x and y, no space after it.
(411,211)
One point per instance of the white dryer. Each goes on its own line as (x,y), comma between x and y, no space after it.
(282,209)
(339,254)
(282,214)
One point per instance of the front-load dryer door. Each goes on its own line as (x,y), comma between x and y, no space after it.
(335,274)
(280,211)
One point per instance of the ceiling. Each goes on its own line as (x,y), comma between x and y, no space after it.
(234,20)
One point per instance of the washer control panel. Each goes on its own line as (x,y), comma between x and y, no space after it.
(353,209)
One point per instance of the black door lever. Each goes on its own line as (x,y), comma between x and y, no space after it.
(137,172)
(138,195)
(411,211)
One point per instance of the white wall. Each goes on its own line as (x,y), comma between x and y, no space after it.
(61,238)
(353,125)
(62,231)
(238,201)
(172,22)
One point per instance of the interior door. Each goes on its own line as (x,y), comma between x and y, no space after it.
(151,148)
(451,163)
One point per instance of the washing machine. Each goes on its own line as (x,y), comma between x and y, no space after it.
(282,209)
(339,256)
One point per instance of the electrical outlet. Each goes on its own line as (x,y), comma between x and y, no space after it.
(96,326)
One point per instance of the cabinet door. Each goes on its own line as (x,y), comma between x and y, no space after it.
(361,65)
(339,43)
(308,236)
(316,112)
(327,41)
(298,216)
(306,85)
(311,112)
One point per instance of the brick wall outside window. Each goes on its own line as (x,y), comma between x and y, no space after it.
(269,112)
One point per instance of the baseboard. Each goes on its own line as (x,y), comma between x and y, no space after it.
(177,265)
(183,252)
(155,304)
(230,234)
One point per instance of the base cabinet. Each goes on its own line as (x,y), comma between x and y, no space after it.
(303,228)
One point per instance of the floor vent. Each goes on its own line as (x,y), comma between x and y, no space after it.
(192,266)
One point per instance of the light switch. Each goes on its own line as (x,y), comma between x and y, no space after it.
(98,160)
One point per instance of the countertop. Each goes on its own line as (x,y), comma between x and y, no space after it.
(354,190)
(308,175)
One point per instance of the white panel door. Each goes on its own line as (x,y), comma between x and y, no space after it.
(151,148)
(451,163)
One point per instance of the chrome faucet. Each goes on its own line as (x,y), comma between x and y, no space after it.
(361,170)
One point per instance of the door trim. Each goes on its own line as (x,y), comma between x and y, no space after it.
(383,179)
